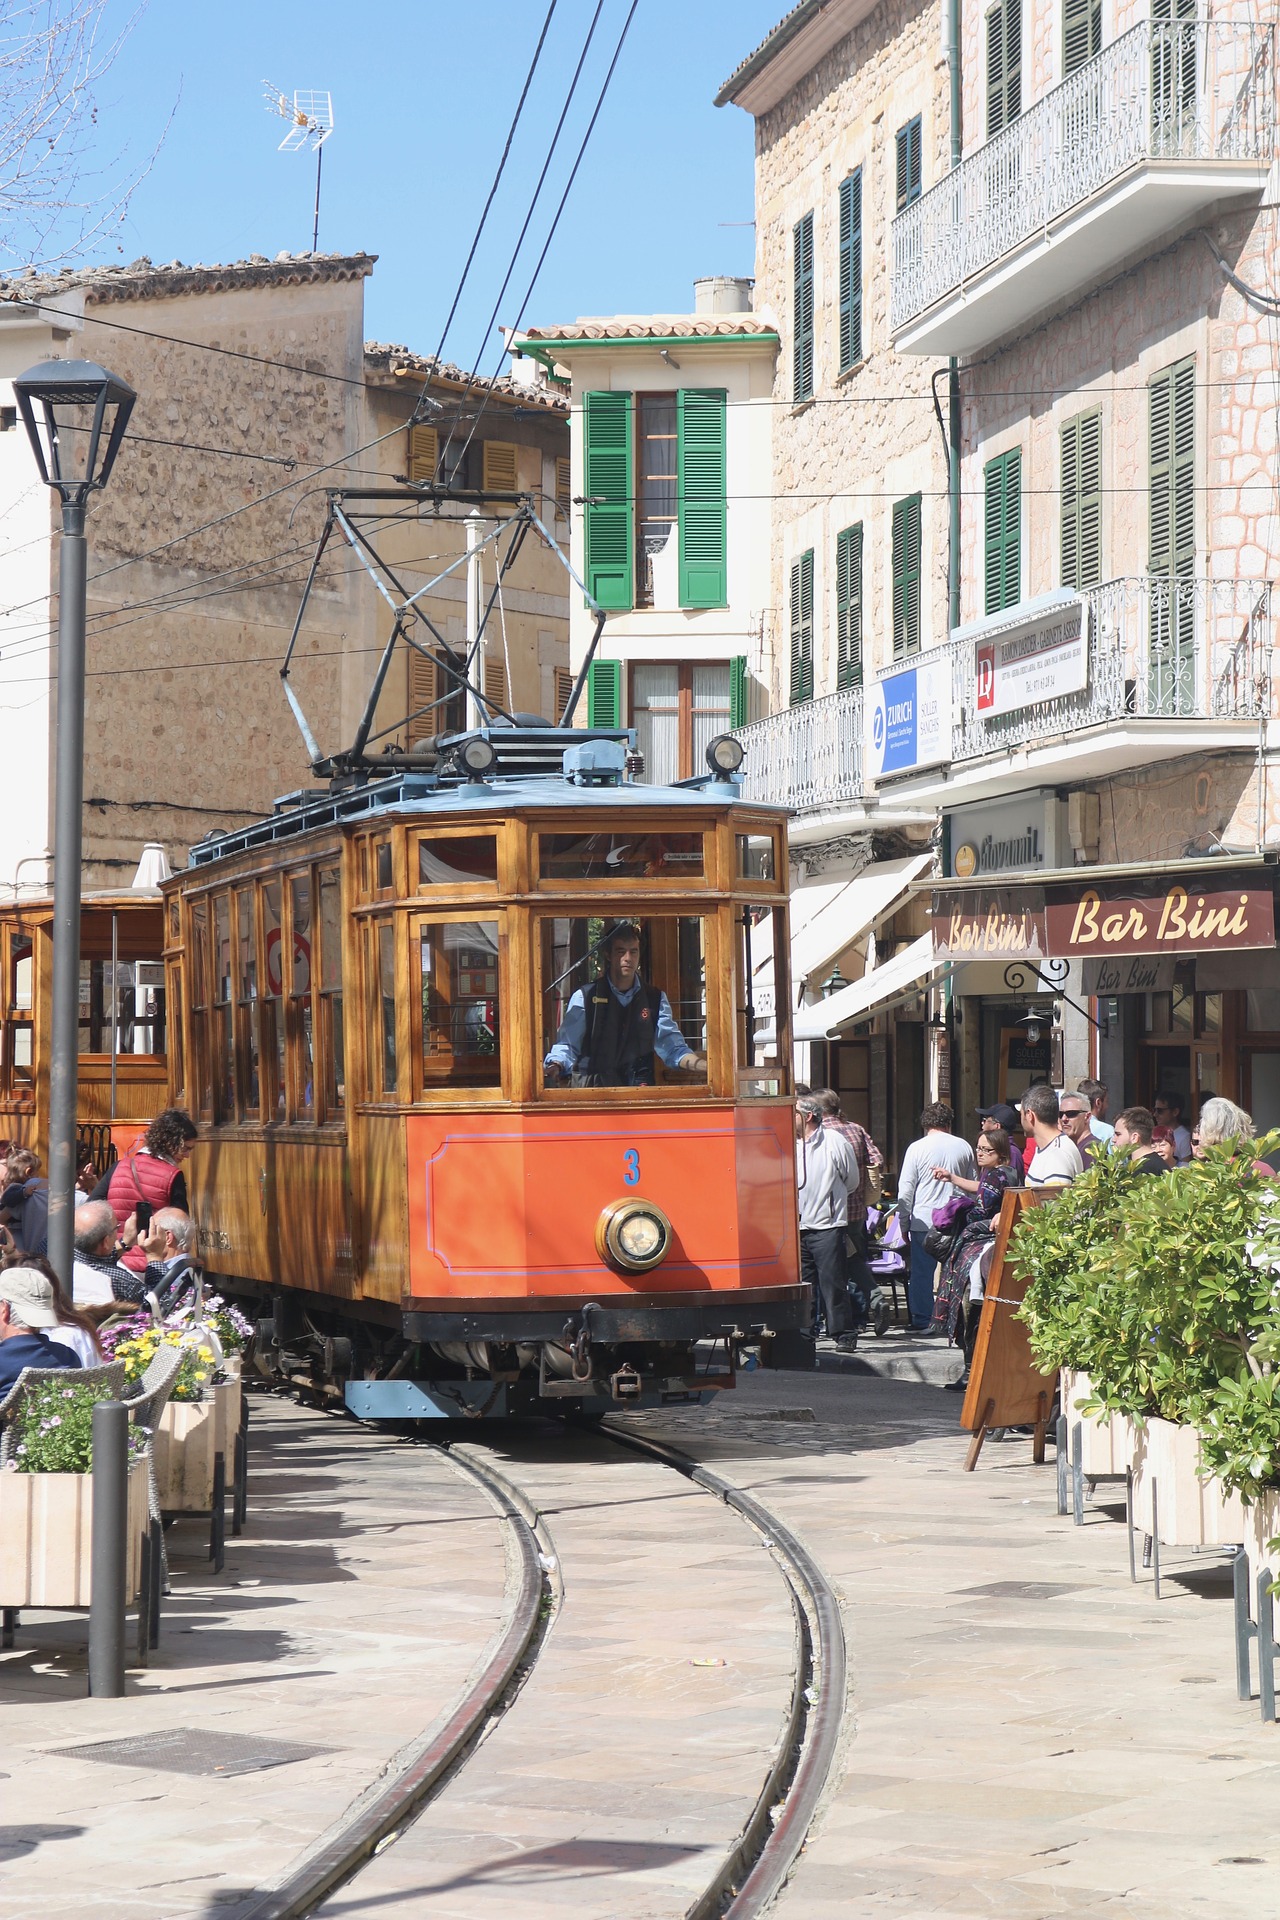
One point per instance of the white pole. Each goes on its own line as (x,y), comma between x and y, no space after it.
(475,665)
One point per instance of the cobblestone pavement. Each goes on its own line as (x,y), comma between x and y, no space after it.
(1029,1733)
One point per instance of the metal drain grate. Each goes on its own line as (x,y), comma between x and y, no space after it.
(1020,1590)
(194,1750)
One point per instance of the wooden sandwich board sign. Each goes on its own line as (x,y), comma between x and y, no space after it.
(1006,1388)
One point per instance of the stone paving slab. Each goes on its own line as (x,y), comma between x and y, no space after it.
(1011,1757)
(625,1769)
(365,1591)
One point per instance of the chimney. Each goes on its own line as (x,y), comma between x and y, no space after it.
(721,293)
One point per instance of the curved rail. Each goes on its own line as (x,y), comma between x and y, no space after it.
(354,1838)
(772,1838)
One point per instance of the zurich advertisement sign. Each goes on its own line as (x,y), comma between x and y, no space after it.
(909,719)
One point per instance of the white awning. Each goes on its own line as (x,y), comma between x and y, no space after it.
(894,980)
(829,916)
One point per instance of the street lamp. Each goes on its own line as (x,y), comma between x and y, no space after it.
(82,413)
(833,983)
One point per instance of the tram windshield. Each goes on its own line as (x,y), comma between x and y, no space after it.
(624,1002)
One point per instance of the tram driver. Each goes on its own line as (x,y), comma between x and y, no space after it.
(612,1029)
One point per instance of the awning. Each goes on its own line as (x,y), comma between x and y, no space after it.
(894,980)
(829,916)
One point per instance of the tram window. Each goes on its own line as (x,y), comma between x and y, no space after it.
(467,860)
(618,855)
(756,859)
(760,988)
(384,1048)
(137,1006)
(331,1036)
(21,973)
(199,975)
(224,1038)
(596,1029)
(383,871)
(247,1002)
(271,1011)
(300,1034)
(458,965)
(177,1053)
(175,922)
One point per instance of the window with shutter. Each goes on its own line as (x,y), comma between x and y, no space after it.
(424,718)
(1174,44)
(906,576)
(604,694)
(564,485)
(499,466)
(1172,480)
(849,607)
(1003,531)
(700,494)
(802,309)
(909,169)
(1081,33)
(739,691)
(1081,489)
(1004,65)
(851,270)
(802,628)
(562,681)
(610,508)
(495,681)
(423,453)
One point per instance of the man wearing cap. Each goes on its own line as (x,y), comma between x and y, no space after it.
(26,1309)
(1008,1118)
(612,1029)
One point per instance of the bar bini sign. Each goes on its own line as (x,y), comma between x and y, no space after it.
(1034,663)
(909,719)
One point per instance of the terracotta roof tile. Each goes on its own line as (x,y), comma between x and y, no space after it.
(143,280)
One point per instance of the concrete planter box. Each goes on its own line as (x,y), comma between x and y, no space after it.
(1107,1442)
(46,1537)
(187,1440)
(1194,1511)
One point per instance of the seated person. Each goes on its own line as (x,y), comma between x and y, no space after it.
(169,1245)
(96,1273)
(26,1311)
(612,1029)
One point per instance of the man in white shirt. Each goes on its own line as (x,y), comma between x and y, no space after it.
(827,1172)
(1056,1161)
(920,1191)
(1096,1094)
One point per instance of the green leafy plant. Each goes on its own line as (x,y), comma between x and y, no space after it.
(54,1429)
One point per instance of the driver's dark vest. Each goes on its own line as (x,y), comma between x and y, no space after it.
(617,1041)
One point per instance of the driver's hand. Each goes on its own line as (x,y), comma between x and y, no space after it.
(552,1072)
(694,1063)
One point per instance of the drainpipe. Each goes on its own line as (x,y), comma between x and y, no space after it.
(953,371)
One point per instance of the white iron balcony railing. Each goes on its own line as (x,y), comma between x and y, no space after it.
(1157,648)
(1167,90)
(808,757)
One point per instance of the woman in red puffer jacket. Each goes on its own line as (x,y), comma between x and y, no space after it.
(150,1171)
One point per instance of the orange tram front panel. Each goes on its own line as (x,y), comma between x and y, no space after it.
(505,1206)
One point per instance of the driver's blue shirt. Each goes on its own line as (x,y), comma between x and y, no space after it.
(669,1043)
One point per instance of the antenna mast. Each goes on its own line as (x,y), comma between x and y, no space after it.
(310,118)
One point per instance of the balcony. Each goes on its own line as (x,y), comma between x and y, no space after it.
(1170,120)
(1174,667)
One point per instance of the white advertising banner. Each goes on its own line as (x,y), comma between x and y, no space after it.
(909,718)
(1039,661)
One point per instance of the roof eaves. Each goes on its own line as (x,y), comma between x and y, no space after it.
(142,280)
(786,30)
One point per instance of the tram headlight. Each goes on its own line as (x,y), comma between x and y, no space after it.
(479,755)
(724,754)
(633,1235)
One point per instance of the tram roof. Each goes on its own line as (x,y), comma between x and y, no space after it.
(445,792)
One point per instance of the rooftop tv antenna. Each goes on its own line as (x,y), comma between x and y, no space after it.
(310,118)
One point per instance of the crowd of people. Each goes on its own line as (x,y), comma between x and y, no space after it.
(134,1243)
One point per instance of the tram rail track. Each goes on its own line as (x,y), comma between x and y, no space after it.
(755,1868)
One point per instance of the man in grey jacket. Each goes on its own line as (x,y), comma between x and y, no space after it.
(827,1171)
(919,1192)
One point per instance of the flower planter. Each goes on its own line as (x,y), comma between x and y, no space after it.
(1107,1441)
(1262,1520)
(187,1441)
(1167,1456)
(46,1537)
(227,1398)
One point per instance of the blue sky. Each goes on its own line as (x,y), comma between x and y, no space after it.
(423,94)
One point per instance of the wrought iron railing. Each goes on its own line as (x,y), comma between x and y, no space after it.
(1166,89)
(808,757)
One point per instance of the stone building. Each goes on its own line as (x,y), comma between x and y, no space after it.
(256,392)
(1080,262)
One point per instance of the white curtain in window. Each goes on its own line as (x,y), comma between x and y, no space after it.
(655,715)
(710,708)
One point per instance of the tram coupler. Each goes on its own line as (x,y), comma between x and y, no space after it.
(626,1383)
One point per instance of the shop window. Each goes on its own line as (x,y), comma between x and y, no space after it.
(1262,1009)
(617,855)
(332,1038)
(463,860)
(590,1037)
(458,975)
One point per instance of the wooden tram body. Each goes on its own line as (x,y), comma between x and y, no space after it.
(382,1160)
(123,1027)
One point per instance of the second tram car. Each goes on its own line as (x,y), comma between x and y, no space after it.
(459,1173)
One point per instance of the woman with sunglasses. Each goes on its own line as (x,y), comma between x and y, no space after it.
(961,1288)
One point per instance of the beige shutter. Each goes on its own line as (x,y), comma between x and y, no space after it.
(564,485)
(423,690)
(499,466)
(563,685)
(495,681)
(424,452)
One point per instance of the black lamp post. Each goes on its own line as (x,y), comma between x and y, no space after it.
(82,414)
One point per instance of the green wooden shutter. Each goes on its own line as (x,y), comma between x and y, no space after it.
(802,628)
(1172,449)
(906,576)
(738,691)
(1004,65)
(604,693)
(700,496)
(1081,489)
(610,510)
(802,309)
(909,163)
(1081,33)
(851,270)
(1003,532)
(849,607)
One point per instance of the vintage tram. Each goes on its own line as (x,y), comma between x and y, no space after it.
(435,1212)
